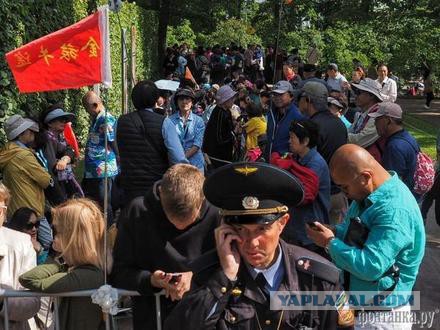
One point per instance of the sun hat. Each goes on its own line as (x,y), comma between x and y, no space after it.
(16,124)
(369,85)
(224,94)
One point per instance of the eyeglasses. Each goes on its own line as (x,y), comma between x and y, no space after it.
(31,225)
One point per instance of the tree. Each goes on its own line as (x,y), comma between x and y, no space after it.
(180,34)
(231,31)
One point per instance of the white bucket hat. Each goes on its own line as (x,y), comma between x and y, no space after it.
(369,85)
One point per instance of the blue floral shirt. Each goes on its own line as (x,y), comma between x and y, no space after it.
(95,150)
(191,135)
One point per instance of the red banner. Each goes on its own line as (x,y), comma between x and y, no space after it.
(69,58)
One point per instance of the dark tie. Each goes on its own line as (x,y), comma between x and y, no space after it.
(262,283)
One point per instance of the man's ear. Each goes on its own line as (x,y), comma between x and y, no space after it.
(306,141)
(283,221)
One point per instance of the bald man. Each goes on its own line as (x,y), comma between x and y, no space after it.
(94,163)
(396,236)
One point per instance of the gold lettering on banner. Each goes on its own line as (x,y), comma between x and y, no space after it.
(92,46)
(23,59)
(44,54)
(69,52)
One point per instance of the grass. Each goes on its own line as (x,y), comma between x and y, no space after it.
(424,132)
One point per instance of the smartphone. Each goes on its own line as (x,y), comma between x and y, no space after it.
(312,225)
(175,277)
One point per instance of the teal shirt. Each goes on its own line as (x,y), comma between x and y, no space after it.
(397,235)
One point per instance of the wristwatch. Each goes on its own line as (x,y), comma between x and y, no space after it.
(328,243)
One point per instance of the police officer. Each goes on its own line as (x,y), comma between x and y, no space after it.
(231,286)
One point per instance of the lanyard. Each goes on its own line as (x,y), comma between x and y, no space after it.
(42,159)
(183,129)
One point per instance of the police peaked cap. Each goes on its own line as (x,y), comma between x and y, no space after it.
(252,193)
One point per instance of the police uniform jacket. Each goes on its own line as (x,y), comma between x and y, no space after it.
(304,271)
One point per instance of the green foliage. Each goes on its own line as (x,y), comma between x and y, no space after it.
(403,34)
(231,30)
(180,34)
(24,21)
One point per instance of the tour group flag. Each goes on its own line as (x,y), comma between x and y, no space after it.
(73,57)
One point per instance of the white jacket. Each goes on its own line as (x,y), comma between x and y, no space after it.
(17,256)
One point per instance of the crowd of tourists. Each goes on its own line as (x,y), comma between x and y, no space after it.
(327,148)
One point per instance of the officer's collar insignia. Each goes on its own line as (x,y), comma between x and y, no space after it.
(246,170)
(307,265)
(250,203)
(304,264)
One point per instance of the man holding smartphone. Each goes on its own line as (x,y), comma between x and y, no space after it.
(158,236)
(232,288)
(384,215)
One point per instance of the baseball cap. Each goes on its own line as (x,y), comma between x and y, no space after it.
(281,87)
(332,66)
(332,100)
(389,109)
(314,90)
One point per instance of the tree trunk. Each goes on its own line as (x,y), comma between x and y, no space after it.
(164,17)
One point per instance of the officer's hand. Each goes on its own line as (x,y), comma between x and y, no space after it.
(176,290)
(226,238)
(319,233)
(160,279)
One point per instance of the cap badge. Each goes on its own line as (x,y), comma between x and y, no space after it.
(250,203)
(246,170)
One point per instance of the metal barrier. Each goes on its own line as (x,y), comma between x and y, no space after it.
(85,293)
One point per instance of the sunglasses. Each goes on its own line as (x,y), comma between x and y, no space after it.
(31,225)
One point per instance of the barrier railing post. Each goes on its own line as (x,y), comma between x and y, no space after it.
(57,316)
(158,311)
(5,305)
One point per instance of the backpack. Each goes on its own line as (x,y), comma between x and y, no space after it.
(424,174)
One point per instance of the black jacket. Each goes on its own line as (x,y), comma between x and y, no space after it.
(332,133)
(147,241)
(144,157)
(211,286)
(218,141)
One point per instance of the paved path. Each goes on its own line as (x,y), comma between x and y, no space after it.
(415,107)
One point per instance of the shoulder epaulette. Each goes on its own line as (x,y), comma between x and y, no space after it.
(324,271)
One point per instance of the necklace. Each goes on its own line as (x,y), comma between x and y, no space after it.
(279,321)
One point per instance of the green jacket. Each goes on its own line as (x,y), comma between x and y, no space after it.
(74,312)
(25,178)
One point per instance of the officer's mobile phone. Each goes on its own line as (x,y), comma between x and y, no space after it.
(313,225)
(175,277)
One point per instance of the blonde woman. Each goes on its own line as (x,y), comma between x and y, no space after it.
(79,238)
